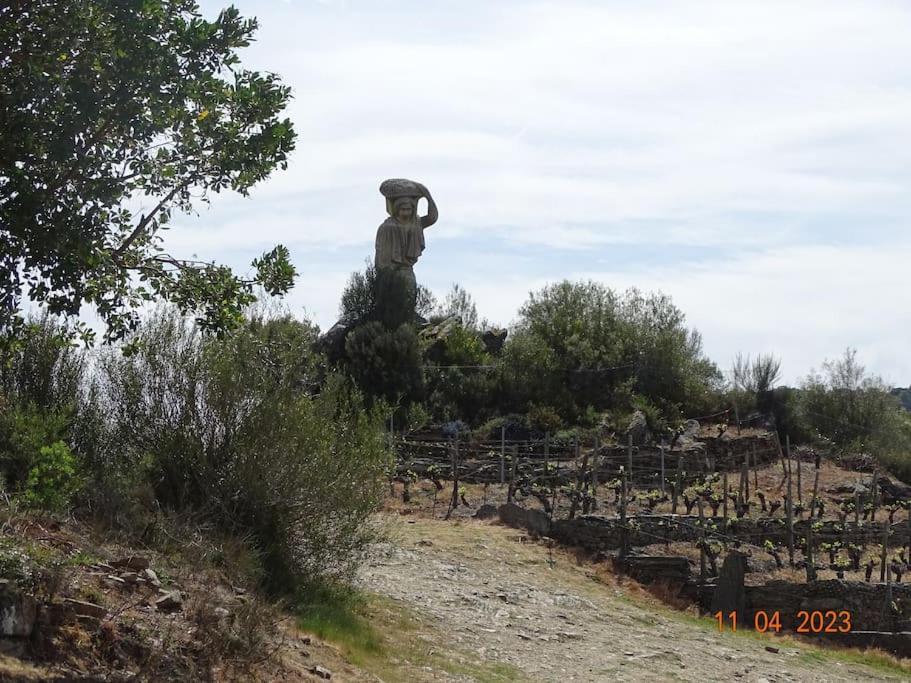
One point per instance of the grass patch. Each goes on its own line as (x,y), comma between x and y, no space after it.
(340,616)
(81,559)
(380,637)
(874,659)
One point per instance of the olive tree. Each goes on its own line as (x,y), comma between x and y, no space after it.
(110,105)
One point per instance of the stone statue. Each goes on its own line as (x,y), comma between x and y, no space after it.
(400,239)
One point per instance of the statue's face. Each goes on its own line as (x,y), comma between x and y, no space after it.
(403,208)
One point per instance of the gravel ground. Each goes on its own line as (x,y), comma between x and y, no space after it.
(488,592)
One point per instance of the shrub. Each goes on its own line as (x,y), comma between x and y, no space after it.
(855,411)
(384,296)
(544,418)
(581,345)
(224,427)
(52,479)
(385,363)
(458,392)
(41,368)
(24,431)
(40,379)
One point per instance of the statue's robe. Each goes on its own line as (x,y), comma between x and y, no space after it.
(398,246)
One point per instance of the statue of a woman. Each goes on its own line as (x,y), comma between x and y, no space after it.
(400,239)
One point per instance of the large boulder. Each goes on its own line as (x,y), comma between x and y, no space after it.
(687,438)
(18,612)
(638,428)
(894,491)
(494,339)
(332,342)
(433,336)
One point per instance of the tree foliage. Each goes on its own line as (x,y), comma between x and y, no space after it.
(755,376)
(459,303)
(849,407)
(581,345)
(385,363)
(227,428)
(116,115)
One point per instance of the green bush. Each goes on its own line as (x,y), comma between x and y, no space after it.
(385,296)
(544,418)
(582,346)
(24,431)
(41,368)
(52,479)
(385,363)
(455,393)
(854,411)
(227,428)
(41,375)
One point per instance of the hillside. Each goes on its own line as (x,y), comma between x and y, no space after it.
(507,608)
(457,600)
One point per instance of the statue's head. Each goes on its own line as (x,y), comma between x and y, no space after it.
(402,208)
(401,198)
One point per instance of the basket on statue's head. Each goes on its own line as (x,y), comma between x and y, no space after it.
(399,187)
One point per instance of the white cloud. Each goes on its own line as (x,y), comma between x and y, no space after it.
(576,126)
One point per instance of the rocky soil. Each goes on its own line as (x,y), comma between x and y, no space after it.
(488,591)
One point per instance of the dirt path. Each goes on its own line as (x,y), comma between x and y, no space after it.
(485,591)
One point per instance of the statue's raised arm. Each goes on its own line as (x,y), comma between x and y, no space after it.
(432,213)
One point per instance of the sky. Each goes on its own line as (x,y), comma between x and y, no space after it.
(750,159)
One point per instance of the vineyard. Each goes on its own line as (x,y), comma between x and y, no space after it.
(811,531)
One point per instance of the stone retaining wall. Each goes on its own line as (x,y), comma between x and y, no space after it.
(594,532)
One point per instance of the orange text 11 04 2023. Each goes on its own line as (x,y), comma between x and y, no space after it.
(811,622)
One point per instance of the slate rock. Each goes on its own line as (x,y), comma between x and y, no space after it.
(18,612)
(134,562)
(89,609)
(169,601)
(486,511)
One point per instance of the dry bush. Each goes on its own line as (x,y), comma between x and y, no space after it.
(226,429)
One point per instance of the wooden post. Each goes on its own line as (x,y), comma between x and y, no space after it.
(596,460)
(799,470)
(887,603)
(874,498)
(582,484)
(857,509)
(746,476)
(577,489)
(661,449)
(755,469)
(784,467)
(624,535)
(547,454)
(702,542)
(742,486)
(883,562)
(811,569)
(629,457)
(454,503)
(815,488)
(789,510)
(678,483)
(724,494)
(512,473)
(502,455)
